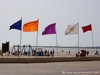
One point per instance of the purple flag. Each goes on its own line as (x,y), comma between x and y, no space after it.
(50,29)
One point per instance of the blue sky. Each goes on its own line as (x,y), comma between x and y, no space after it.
(63,12)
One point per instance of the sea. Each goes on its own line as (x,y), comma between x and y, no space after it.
(73,50)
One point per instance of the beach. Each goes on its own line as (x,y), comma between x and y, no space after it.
(44,55)
(54,68)
(60,50)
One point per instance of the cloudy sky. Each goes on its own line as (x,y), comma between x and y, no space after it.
(61,12)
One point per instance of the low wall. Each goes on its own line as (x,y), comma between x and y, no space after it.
(47,59)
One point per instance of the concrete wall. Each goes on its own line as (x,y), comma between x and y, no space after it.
(47,59)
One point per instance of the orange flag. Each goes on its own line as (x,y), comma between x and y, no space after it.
(30,26)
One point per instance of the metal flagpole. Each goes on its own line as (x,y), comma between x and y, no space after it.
(92,40)
(56,42)
(37,39)
(78,36)
(20,38)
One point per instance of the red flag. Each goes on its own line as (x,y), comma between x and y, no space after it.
(87,28)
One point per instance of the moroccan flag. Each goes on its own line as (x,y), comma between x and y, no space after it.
(16,25)
(87,28)
(30,26)
(50,29)
(72,29)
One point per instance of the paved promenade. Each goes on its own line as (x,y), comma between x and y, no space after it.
(55,68)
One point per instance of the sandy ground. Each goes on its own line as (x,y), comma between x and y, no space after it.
(56,68)
(57,54)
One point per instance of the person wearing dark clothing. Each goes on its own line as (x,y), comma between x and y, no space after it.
(53,52)
(87,53)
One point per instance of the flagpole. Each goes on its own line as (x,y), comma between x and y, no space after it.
(20,37)
(92,39)
(78,36)
(56,42)
(37,39)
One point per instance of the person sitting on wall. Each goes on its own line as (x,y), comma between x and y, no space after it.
(83,53)
(87,53)
(50,53)
(77,55)
(53,52)
(97,52)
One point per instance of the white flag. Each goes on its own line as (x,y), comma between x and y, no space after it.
(72,29)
